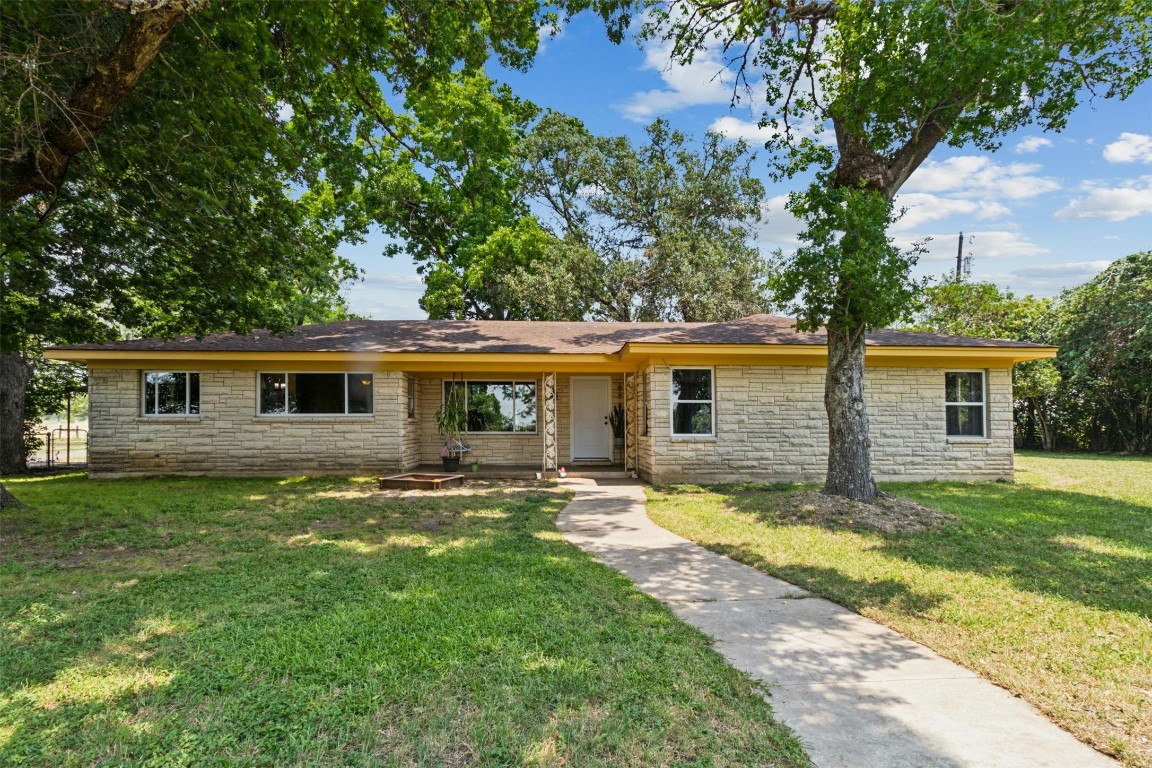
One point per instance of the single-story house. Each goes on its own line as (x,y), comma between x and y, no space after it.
(703,402)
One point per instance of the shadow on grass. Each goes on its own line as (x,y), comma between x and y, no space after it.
(1091,549)
(346,629)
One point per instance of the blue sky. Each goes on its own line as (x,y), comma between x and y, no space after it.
(1044,213)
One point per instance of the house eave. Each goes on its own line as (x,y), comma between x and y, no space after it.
(631,357)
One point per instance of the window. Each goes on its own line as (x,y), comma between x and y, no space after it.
(692,401)
(498,406)
(315,393)
(964,403)
(171,394)
(412,397)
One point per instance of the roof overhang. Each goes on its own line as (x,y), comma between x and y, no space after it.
(817,354)
(631,357)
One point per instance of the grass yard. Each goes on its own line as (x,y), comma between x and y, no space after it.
(168,622)
(1043,586)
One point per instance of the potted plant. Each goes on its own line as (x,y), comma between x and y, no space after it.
(616,419)
(451,417)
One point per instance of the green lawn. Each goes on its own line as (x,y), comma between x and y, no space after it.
(1043,586)
(317,622)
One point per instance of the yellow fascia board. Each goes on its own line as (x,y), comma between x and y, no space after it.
(382,361)
(630,358)
(817,354)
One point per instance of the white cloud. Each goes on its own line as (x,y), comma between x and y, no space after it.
(754,134)
(921,208)
(1134,198)
(749,130)
(284,111)
(1072,268)
(1030,144)
(1048,279)
(705,81)
(1130,148)
(975,176)
(546,33)
(778,228)
(984,246)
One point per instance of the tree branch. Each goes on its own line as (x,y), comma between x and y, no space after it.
(75,126)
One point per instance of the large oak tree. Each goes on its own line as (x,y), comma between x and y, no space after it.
(183,166)
(892,80)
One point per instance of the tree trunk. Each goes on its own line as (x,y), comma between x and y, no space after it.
(43,166)
(7,499)
(15,373)
(849,446)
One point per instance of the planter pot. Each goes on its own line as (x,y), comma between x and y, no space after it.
(619,442)
(475,466)
(451,463)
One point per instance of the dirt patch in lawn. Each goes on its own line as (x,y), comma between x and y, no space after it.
(472,487)
(889,514)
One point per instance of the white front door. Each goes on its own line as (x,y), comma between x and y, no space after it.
(591,432)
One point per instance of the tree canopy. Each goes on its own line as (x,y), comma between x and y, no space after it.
(183,166)
(660,231)
(1097,393)
(890,81)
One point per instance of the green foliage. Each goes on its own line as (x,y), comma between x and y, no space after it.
(1105,335)
(452,416)
(617,419)
(263,136)
(893,80)
(1097,393)
(847,255)
(449,186)
(47,395)
(656,232)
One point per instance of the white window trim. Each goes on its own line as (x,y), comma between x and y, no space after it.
(985,425)
(444,386)
(187,397)
(672,402)
(286,415)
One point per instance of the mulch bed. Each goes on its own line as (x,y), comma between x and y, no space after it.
(889,514)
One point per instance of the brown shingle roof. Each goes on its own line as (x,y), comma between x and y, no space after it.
(493,336)
(521,337)
(773,329)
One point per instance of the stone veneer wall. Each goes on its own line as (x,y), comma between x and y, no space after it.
(228,438)
(512,448)
(411,425)
(771,426)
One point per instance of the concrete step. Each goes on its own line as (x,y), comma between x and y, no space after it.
(599,474)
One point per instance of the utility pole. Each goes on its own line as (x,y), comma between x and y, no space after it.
(960,258)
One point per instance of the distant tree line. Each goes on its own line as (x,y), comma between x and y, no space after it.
(1097,394)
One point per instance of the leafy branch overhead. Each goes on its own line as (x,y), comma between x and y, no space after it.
(858,94)
(518,215)
(176,166)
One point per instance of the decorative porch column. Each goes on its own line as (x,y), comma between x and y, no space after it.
(631,443)
(549,403)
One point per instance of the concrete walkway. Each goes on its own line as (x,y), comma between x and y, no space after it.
(856,693)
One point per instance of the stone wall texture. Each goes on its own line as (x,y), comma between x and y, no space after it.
(770,426)
(228,438)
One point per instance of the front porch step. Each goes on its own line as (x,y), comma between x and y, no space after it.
(598,474)
(589,471)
